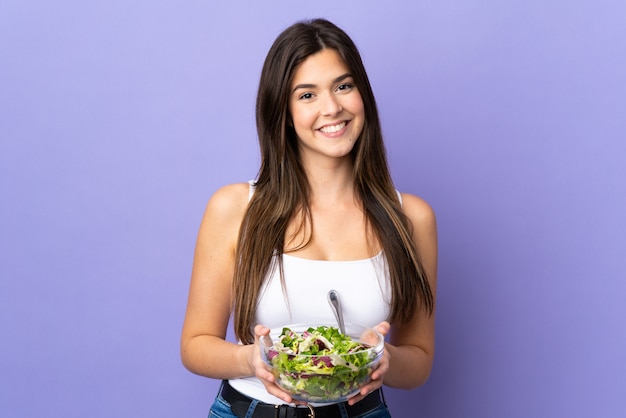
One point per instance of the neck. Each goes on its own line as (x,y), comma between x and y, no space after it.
(331,182)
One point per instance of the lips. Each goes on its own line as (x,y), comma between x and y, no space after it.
(331,129)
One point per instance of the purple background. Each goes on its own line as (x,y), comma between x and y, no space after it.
(118,120)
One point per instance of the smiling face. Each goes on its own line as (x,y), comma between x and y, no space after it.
(326,107)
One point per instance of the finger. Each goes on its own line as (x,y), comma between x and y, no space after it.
(377,374)
(356,398)
(276,391)
(380,371)
(265,375)
(260,330)
(383,328)
(370,387)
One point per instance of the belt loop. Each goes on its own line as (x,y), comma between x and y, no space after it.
(343,409)
(251,408)
(279,411)
(382,396)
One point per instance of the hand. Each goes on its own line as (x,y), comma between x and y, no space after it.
(262,370)
(378,374)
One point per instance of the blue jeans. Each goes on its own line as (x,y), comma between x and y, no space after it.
(221,409)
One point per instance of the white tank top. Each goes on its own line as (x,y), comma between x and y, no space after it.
(363,288)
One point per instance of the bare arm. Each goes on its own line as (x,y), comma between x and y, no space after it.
(408,357)
(204,350)
(412,346)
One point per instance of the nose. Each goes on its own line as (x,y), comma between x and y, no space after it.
(330,106)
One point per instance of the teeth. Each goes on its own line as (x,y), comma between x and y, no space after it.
(333,129)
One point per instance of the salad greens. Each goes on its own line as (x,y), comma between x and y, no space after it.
(321,364)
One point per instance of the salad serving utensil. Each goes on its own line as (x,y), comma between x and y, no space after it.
(333,300)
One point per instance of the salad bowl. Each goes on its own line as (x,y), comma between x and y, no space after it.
(317,363)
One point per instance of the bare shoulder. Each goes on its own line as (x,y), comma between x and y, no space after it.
(225,210)
(230,200)
(418,211)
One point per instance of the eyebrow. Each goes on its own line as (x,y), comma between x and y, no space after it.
(310,86)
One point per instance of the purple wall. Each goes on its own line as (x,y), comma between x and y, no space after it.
(119,119)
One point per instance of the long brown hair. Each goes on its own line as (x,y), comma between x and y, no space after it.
(282,191)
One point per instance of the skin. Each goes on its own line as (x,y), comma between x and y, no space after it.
(323,96)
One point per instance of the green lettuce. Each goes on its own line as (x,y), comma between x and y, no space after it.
(321,364)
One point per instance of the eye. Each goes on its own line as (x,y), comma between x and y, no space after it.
(305,96)
(345,86)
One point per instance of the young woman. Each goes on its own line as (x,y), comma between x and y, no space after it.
(322,214)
